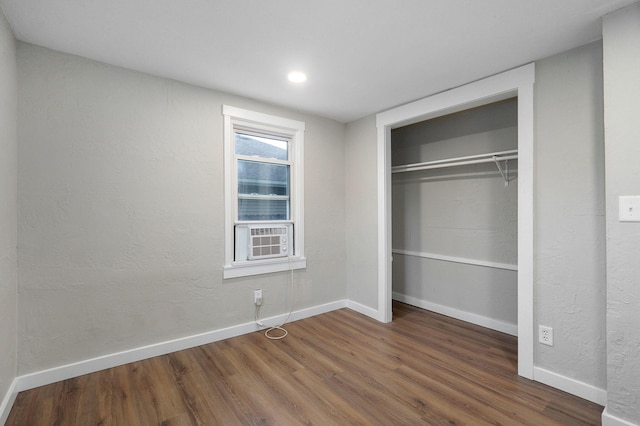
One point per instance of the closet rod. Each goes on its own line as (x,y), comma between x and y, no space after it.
(458,161)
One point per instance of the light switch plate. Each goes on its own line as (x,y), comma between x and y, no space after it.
(629,209)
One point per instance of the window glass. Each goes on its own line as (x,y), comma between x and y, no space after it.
(261,146)
(259,178)
(263,191)
(262,209)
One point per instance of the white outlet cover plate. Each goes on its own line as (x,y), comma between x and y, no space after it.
(629,208)
(549,334)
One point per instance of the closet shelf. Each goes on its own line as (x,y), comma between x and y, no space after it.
(492,157)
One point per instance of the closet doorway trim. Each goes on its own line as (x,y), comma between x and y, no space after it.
(514,83)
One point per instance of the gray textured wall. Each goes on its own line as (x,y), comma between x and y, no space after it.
(621,37)
(121,212)
(361,206)
(8,207)
(569,289)
(464,212)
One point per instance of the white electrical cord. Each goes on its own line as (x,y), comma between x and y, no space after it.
(278,327)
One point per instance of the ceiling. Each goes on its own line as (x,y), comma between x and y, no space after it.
(361,56)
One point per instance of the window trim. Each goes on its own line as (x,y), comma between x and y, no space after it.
(246,120)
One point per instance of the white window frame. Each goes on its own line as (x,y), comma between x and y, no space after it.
(238,118)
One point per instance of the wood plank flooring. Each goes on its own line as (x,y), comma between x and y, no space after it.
(339,368)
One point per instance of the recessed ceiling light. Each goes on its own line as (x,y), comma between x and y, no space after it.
(297,77)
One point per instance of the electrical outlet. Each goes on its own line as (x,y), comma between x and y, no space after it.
(545,335)
(257,297)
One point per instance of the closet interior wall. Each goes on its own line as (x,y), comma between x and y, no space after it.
(455,228)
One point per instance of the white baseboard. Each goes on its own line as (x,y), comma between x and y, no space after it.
(572,386)
(480,320)
(52,375)
(364,310)
(8,400)
(610,420)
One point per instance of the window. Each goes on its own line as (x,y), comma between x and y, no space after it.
(263,193)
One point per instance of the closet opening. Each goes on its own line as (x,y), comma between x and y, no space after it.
(454,210)
(516,84)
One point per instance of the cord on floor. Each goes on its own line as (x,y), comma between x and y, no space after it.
(278,327)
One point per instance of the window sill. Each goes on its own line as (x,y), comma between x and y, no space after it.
(258,267)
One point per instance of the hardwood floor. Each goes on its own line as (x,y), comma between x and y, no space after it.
(339,368)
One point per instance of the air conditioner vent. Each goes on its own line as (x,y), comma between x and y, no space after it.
(262,242)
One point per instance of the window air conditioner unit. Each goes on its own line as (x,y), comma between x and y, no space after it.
(263,241)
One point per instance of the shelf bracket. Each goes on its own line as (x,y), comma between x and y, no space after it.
(505,172)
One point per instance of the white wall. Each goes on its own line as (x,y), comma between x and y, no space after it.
(570,286)
(621,38)
(121,212)
(463,212)
(8,211)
